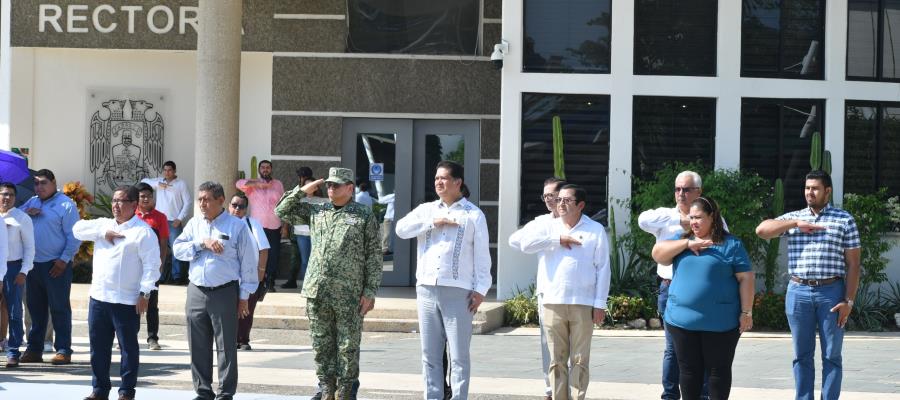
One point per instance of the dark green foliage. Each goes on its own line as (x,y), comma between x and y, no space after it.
(521,309)
(873,215)
(768,311)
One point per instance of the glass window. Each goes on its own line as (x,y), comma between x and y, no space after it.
(413,27)
(585,127)
(873,39)
(776,136)
(871,148)
(675,37)
(567,36)
(668,129)
(782,39)
(437,149)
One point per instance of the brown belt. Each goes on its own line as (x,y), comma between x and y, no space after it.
(816,282)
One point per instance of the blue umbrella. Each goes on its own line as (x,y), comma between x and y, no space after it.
(13,167)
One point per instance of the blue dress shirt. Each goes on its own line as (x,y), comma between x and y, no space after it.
(53,227)
(237,263)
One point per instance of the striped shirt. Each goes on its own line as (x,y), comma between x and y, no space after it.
(820,254)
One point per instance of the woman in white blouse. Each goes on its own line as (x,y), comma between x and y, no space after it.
(453,275)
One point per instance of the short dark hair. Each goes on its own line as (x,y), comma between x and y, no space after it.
(45,173)
(264,162)
(363,185)
(820,176)
(304,172)
(9,185)
(131,192)
(170,163)
(580,193)
(711,208)
(457,172)
(143,187)
(213,187)
(243,197)
(554,180)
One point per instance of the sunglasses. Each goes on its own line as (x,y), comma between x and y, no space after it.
(239,206)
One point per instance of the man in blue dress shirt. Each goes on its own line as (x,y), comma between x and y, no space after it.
(50,281)
(223,259)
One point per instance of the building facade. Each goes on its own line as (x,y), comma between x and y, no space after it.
(731,84)
(103,92)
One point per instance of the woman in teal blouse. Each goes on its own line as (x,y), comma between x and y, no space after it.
(710,299)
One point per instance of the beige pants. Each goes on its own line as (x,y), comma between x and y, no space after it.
(569,329)
(387,227)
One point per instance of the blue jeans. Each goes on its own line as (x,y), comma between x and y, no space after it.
(176,273)
(304,245)
(808,308)
(670,370)
(106,321)
(13,295)
(46,293)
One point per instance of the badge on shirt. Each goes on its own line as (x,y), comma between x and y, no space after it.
(352,221)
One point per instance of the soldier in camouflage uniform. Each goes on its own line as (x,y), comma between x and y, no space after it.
(344,273)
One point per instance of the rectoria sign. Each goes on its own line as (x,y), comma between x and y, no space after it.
(127,24)
(80,18)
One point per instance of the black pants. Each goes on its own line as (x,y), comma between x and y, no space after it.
(274,238)
(153,315)
(702,352)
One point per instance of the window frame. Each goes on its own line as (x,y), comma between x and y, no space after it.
(879,52)
(821,37)
(879,117)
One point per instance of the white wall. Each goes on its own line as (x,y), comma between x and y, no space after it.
(516,270)
(50,99)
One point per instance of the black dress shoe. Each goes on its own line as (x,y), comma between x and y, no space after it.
(289,285)
(95,396)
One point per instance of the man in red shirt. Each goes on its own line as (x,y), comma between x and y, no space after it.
(160,225)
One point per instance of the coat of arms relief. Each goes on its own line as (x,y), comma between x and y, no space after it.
(126,143)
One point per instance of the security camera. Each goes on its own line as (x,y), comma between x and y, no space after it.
(500,50)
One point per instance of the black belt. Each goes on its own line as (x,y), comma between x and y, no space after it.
(816,282)
(212,289)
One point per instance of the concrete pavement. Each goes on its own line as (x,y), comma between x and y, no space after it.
(506,365)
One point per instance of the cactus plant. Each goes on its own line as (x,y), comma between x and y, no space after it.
(559,164)
(774,246)
(826,162)
(253,167)
(815,154)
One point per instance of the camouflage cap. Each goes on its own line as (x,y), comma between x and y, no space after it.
(340,175)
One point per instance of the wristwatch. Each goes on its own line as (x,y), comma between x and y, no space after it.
(146,296)
(849,302)
(747,313)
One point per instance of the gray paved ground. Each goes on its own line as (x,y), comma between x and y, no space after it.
(505,366)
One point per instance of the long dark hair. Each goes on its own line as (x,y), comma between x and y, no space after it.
(711,208)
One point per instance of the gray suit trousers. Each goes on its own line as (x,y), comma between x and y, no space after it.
(212,314)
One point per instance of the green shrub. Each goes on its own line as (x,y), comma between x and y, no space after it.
(875,215)
(768,311)
(626,308)
(870,312)
(521,308)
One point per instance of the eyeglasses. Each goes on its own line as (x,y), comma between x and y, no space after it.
(121,201)
(239,206)
(686,189)
(566,200)
(549,197)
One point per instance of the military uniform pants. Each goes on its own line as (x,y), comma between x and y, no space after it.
(336,329)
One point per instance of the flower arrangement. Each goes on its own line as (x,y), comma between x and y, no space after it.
(83,199)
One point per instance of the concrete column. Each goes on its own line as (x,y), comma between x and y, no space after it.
(5,72)
(218,92)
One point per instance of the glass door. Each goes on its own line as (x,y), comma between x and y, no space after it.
(409,150)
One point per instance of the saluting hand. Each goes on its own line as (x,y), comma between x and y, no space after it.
(111,236)
(568,241)
(698,245)
(310,187)
(213,245)
(807,227)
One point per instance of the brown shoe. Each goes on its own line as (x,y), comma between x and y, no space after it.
(12,362)
(126,397)
(95,396)
(31,357)
(61,359)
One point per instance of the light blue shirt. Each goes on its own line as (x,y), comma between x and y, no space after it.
(53,227)
(237,263)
